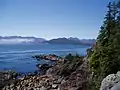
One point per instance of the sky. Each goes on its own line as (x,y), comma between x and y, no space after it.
(52,18)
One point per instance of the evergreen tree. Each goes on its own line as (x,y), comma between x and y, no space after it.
(105,58)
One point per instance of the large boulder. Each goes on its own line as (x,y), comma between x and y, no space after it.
(111,82)
(43,68)
(116,86)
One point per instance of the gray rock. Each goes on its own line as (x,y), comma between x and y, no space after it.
(118,73)
(43,88)
(49,71)
(110,81)
(116,87)
(54,86)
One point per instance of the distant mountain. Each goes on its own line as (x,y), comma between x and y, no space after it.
(34,40)
(20,39)
(74,41)
(88,41)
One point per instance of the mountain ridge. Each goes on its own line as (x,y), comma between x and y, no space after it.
(31,39)
(74,41)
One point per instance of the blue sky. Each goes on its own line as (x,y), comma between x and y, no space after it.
(52,18)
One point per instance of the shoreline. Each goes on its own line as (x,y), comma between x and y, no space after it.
(12,76)
(53,77)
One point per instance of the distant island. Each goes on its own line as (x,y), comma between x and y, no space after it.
(32,40)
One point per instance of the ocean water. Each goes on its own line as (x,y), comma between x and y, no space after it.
(19,57)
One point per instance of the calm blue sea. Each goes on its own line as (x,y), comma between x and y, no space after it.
(19,57)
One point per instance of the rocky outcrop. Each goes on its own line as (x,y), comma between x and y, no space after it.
(74,74)
(111,82)
(51,57)
(43,68)
(78,79)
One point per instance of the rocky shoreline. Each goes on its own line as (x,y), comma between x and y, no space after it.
(64,75)
(72,73)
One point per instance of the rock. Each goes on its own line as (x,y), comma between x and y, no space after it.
(54,86)
(116,86)
(110,81)
(44,66)
(58,81)
(118,73)
(6,77)
(49,71)
(43,88)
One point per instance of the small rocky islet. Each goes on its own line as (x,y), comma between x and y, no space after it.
(51,57)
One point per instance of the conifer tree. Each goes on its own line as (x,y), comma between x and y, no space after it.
(105,58)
